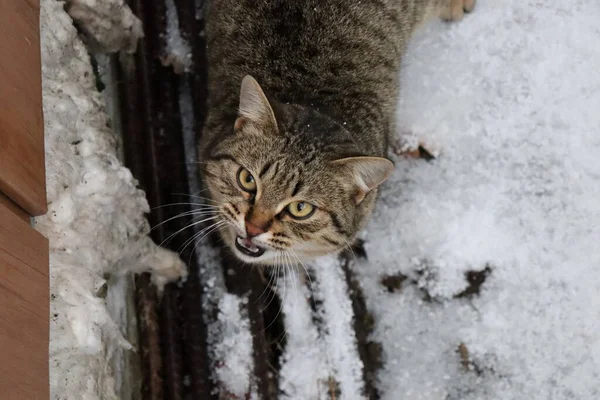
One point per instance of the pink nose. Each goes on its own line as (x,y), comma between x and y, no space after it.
(253,230)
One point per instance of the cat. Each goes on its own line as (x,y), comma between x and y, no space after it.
(301,106)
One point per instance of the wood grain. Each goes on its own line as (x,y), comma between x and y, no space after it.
(18,211)
(22,175)
(24,310)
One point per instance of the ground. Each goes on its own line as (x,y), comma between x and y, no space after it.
(511,98)
(482,263)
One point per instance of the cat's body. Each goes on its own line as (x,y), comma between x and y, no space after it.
(329,69)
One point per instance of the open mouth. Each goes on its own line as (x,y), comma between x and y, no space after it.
(245,246)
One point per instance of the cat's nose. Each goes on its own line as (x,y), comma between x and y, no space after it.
(253,230)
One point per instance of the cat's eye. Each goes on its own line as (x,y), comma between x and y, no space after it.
(246,180)
(300,209)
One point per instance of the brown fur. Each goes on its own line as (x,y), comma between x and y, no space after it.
(314,123)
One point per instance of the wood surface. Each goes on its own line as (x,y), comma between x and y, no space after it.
(18,211)
(22,176)
(24,310)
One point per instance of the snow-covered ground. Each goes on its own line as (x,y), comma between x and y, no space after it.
(511,97)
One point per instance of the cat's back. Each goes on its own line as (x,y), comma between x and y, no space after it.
(341,57)
(303,48)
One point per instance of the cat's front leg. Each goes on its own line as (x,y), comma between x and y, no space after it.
(454,10)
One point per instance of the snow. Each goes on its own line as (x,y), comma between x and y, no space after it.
(178,49)
(304,371)
(511,96)
(234,351)
(339,341)
(109,25)
(321,355)
(95,223)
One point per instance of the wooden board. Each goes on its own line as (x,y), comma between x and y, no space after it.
(18,211)
(22,176)
(24,310)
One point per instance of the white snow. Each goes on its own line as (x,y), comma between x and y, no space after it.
(109,25)
(178,49)
(304,372)
(234,352)
(319,359)
(511,96)
(95,223)
(338,341)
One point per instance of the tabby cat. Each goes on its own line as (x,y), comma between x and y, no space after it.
(302,99)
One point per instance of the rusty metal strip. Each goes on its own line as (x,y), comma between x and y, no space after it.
(154,153)
(149,340)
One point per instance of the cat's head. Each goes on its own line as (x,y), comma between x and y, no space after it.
(289,183)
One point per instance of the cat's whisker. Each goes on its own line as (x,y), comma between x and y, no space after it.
(197,197)
(294,292)
(188,226)
(276,280)
(180,215)
(205,232)
(216,226)
(282,298)
(294,275)
(267,286)
(303,267)
(351,250)
(199,205)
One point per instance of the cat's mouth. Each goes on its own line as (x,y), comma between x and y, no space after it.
(246,247)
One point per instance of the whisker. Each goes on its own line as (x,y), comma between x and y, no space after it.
(201,205)
(303,267)
(292,273)
(294,294)
(180,215)
(351,250)
(195,236)
(276,290)
(282,299)
(198,240)
(186,227)
(267,286)
(196,196)
(206,231)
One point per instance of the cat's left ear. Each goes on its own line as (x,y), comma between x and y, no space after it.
(254,106)
(366,173)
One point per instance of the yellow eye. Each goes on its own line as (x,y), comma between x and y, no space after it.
(246,180)
(300,209)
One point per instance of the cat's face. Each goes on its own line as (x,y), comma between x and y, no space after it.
(283,193)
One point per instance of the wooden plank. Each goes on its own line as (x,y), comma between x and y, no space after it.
(18,211)
(22,176)
(24,310)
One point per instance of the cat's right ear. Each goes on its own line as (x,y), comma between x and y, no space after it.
(254,106)
(365,173)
